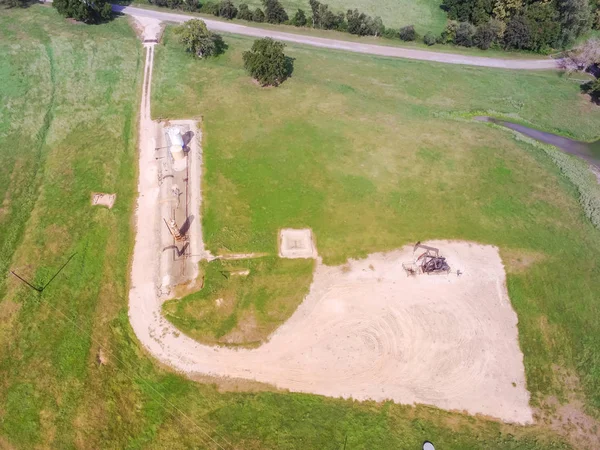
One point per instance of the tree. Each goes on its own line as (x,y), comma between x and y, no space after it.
(377,26)
(361,24)
(299,18)
(485,36)
(244,12)
(505,9)
(323,18)
(274,12)
(429,38)
(464,34)
(408,33)
(197,40)
(227,9)
(266,62)
(517,34)
(449,34)
(14,3)
(475,11)
(543,26)
(88,12)
(258,15)
(593,89)
(582,57)
(574,19)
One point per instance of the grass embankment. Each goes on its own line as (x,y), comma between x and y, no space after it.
(368,153)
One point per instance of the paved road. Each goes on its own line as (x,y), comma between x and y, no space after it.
(397,52)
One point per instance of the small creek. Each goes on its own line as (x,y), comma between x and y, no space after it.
(590,151)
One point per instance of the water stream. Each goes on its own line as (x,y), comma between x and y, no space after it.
(590,151)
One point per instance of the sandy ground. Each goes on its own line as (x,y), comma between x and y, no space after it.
(365,330)
(356,47)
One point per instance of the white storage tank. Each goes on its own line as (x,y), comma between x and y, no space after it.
(176,143)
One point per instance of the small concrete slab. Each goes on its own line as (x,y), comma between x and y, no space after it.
(99,198)
(296,243)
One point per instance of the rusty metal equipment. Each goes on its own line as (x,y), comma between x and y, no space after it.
(429,262)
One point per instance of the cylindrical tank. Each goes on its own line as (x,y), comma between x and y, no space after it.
(176,143)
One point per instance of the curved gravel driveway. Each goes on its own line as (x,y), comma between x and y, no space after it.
(395,52)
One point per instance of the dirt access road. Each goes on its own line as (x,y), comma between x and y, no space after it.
(381,50)
(365,330)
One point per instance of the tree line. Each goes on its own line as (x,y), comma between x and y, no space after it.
(535,25)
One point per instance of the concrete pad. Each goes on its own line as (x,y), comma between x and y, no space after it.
(296,243)
(102,199)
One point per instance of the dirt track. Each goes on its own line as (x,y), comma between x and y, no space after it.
(365,331)
(357,47)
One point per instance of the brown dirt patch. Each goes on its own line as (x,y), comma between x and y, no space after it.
(568,417)
(517,261)
(247,330)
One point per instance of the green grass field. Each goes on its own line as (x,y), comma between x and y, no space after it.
(373,154)
(68,111)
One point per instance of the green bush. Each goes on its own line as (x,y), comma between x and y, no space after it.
(429,38)
(258,15)
(408,33)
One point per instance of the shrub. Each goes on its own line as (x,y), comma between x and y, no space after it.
(210,8)
(408,33)
(485,36)
(258,15)
(266,62)
(464,34)
(227,9)
(517,34)
(244,12)
(429,38)
(449,34)
(391,33)
(274,12)
(299,18)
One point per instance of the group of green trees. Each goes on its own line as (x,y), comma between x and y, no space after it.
(95,11)
(265,61)
(535,25)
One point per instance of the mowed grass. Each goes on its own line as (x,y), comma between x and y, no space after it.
(371,154)
(236,308)
(53,391)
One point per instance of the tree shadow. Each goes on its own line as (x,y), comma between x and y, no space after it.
(220,45)
(592,88)
(289,66)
